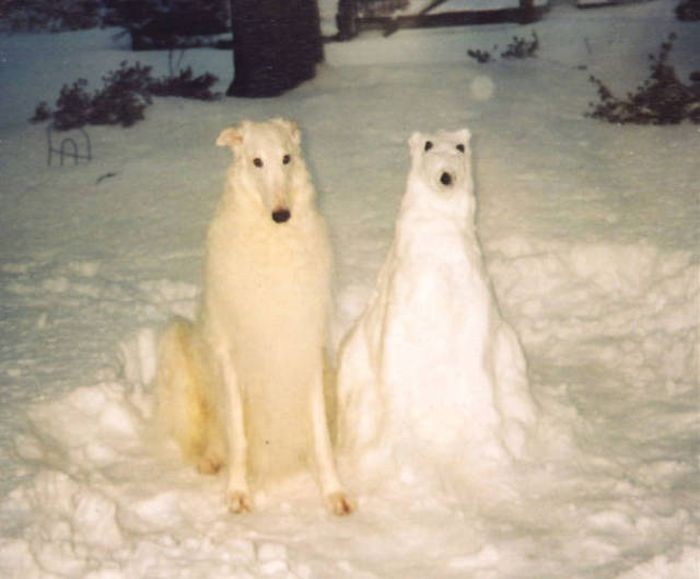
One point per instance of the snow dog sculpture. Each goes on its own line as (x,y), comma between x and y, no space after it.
(431,368)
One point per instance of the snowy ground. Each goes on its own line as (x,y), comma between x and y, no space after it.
(590,233)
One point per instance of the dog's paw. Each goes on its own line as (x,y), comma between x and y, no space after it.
(339,504)
(209,465)
(239,502)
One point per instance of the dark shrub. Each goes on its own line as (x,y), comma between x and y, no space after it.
(124,97)
(522,48)
(186,85)
(41,113)
(51,15)
(73,106)
(158,24)
(661,100)
(125,94)
(519,48)
(481,56)
(688,10)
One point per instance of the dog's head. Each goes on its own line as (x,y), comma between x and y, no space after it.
(442,160)
(268,163)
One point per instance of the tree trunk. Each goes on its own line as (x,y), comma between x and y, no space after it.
(528,13)
(276,45)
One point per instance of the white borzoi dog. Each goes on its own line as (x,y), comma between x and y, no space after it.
(431,369)
(242,385)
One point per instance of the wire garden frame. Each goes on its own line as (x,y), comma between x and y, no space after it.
(68,147)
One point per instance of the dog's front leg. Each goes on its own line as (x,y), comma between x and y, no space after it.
(333,492)
(237,493)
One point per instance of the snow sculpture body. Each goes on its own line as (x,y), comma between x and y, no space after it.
(431,369)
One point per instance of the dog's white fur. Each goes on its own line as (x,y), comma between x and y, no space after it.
(431,360)
(243,384)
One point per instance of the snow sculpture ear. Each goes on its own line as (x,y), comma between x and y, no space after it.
(291,127)
(464,136)
(232,137)
(416,142)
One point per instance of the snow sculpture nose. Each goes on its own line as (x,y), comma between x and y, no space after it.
(446,179)
(281,215)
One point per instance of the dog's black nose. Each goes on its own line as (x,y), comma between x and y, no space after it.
(446,179)
(281,215)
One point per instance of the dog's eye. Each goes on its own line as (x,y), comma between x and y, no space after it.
(258,162)
(286,159)
(460,148)
(428,146)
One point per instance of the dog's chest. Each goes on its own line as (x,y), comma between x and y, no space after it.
(268,268)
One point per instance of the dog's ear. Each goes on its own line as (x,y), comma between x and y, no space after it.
(291,127)
(231,137)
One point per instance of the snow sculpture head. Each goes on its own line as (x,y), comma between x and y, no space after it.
(442,161)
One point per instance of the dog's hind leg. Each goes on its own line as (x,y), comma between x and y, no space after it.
(182,409)
(335,496)
(213,459)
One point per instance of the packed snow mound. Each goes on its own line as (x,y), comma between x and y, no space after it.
(95,503)
(632,308)
(431,371)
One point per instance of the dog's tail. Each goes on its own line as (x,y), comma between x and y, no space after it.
(183,410)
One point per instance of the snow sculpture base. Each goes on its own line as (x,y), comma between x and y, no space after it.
(431,373)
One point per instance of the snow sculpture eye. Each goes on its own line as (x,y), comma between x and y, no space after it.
(428,146)
(258,162)
(460,148)
(286,159)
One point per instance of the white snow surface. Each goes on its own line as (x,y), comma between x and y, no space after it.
(590,236)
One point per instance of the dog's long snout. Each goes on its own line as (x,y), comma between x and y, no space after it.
(281,215)
(446,179)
